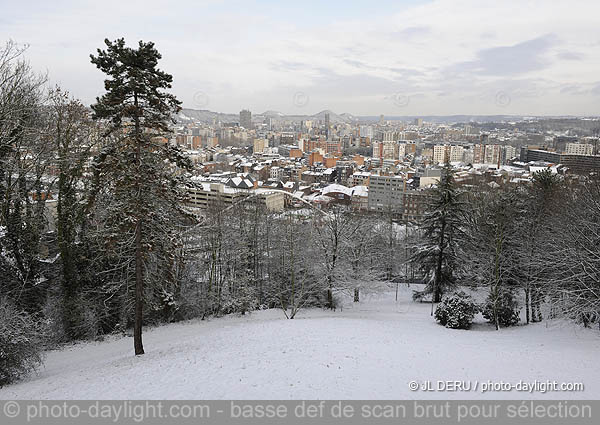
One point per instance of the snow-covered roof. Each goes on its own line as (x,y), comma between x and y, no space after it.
(336,188)
(361,191)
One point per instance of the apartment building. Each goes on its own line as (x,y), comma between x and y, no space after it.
(441,154)
(457,153)
(260,145)
(360,178)
(385,193)
(204,195)
(579,149)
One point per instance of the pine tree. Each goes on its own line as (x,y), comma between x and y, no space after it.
(147,184)
(436,256)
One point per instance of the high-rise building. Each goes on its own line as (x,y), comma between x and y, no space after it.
(510,152)
(387,136)
(401,150)
(246,119)
(441,154)
(492,154)
(327,118)
(386,193)
(478,153)
(579,149)
(366,131)
(457,153)
(410,148)
(390,150)
(260,145)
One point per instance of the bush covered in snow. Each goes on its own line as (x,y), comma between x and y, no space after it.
(20,343)
(243,301)
(507,309)
(456,311)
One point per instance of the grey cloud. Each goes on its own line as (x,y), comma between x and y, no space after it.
(572,89)
(510,60)
(330,82)
(581,89)
(573,56)
(401,72)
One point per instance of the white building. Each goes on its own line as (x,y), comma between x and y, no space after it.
(441,154)
(457,153)
(509,152)
(366,131)
(260,145)
(276,173)
(579,149)
(401,151)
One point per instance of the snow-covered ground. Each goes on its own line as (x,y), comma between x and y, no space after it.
(371,350)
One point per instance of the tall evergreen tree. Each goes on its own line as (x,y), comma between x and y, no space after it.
(436,256)
(145,170)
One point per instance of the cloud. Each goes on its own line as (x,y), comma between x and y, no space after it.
(570,56)
(410,33)
(455,54)
(517,59)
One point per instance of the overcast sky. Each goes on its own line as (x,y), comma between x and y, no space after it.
(366,58)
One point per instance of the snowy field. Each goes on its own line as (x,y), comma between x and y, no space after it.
(367,351)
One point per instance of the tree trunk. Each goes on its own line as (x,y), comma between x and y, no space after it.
(139,276)
(139,292)
(436,295)
(527,314)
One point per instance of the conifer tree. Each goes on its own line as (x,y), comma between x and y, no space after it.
(436,256)
(147,185)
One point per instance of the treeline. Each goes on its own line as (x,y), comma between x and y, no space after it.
(243,257)
(533,246)
(90,204)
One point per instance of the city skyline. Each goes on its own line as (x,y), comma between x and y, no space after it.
(397,58)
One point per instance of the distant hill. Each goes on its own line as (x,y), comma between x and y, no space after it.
(209,117)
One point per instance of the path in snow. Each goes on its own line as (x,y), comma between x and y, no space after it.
(367,351)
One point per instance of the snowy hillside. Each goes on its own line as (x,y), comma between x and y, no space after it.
(365,351)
